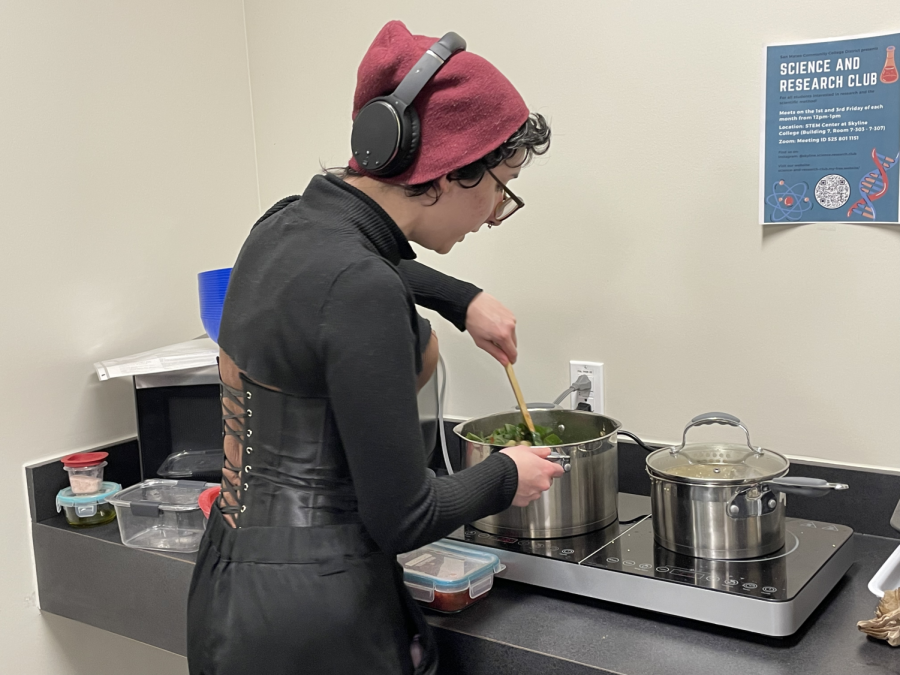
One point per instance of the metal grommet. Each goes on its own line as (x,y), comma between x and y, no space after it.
(243,508)
(246,487)
(249,395)
(249,449)
(247,468)
(249,412)
(249,433)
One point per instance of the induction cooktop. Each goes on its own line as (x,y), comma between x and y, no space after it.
(771,595)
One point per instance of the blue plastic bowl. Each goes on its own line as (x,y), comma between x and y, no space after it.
(213,285)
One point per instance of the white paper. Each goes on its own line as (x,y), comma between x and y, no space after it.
(191,354)
(422,559)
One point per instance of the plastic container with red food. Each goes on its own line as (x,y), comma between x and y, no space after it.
(85,471)
(448,577)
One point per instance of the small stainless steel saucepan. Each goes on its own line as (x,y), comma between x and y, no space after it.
(722,500)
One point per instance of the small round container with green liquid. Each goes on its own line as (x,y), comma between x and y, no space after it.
(88,510)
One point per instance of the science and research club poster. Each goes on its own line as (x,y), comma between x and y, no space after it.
(831,132)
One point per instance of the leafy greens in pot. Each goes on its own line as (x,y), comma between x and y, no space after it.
(518,434)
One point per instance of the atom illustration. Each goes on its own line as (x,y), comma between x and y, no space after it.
(788,202)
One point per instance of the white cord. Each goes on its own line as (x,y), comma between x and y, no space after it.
(440,410)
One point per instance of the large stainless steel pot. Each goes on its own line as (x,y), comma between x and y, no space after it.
(723,500)
(581,500)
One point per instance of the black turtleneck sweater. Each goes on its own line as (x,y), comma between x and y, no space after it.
(327,289)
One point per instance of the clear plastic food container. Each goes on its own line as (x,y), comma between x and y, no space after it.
(85,471)
(88,510)
(161,514)
(449,577)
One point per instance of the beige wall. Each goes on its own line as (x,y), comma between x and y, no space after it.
(640,245)
(127,167)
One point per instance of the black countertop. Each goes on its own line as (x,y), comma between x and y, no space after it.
(515,629)
(617,639)
(89,576)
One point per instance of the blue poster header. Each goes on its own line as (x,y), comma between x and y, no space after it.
(831,132)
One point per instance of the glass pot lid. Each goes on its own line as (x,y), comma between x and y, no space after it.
(725,463)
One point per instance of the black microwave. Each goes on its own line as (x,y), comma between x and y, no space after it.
(179,424)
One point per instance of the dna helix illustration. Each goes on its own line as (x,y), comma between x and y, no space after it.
(873,186)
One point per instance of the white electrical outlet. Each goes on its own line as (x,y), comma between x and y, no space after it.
(594,371)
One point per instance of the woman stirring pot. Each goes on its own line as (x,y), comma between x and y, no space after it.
(322,351)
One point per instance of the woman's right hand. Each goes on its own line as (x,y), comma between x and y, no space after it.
(536,474)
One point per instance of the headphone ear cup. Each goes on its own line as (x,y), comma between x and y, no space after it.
(377,137)
(410,139)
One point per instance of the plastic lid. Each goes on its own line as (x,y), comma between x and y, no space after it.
(206,499)
(66,497)
(725,463)
(446,567)
(84,459)
(193,464)
(168,495)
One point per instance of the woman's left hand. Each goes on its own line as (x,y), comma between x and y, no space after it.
(493,327)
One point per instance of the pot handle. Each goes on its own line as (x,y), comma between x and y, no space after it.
(716,418)
(561,459)
(803,487)
(635,439)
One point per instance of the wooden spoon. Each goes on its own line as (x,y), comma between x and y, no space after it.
(519,398)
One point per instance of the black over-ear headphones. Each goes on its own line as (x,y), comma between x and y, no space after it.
(385,135)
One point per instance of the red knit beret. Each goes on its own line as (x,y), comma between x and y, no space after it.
(467,110)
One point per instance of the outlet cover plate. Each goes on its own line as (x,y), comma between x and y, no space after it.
(594,398)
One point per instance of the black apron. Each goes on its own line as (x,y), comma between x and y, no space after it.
(298,586)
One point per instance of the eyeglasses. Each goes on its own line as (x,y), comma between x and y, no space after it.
(508,206)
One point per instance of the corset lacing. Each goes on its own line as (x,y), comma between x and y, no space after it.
(233,425)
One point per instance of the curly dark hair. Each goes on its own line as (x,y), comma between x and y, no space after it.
(533,136)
